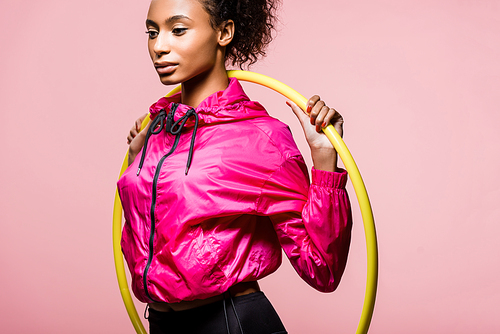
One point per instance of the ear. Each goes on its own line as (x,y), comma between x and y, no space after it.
(226,32)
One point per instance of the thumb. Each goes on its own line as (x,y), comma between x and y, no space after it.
(140,138)
(145,130)
(140,120)
(138,124)
(142,133)
(301,115)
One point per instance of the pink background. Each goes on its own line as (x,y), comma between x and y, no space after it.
(417,82)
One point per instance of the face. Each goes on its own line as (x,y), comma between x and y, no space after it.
(181,42)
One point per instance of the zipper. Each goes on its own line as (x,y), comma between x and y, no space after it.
(152,213)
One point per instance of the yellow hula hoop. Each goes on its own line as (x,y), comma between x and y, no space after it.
(352,169)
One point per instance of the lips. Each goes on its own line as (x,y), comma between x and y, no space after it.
(165,67)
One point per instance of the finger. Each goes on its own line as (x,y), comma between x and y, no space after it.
(329,117)
(141,134)
(311,102)
(316,109)
(320,120)
(132,133)
(138,141)
(136,129)
(301,115)
(145,130)
(138,122)
(338,123)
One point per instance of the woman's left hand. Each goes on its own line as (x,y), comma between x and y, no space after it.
(317,116)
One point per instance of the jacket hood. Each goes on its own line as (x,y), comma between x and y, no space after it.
(231,104)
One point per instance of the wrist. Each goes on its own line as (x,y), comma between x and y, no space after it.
(324,159)
(131,157)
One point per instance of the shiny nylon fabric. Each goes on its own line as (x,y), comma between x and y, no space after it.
(247,195)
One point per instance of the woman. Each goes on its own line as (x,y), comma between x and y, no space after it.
(220,186)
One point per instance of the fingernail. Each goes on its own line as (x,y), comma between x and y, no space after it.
(323,124)
(308,109)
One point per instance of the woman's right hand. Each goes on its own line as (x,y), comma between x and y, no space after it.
(136,138)
(316,117)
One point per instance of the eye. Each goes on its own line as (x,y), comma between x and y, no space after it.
(179,31)
(152,34)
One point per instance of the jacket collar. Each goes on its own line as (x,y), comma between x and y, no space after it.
(229,105)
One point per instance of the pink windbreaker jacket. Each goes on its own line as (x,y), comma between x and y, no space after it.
(220,190)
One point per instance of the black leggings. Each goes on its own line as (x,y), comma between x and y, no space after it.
(247,314)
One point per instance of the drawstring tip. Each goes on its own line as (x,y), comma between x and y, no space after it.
(138,171)
(187,169)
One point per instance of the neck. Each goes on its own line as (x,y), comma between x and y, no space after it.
(195,90)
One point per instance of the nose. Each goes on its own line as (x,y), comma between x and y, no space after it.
(161,45)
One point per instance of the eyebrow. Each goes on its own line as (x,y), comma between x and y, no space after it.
(169,20)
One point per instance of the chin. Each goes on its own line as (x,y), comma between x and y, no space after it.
(167,81)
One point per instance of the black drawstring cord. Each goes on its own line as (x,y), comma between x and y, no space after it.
(180,124)
(160,118)
(183,120)
(173,128)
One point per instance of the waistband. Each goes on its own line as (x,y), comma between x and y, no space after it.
(239,289)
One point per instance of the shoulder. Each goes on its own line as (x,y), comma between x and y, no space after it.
(276,133)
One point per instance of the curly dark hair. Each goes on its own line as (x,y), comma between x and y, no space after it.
(254,22)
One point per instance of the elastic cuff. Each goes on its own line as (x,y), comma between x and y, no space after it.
(336,180)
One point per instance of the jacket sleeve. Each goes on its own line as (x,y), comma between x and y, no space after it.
(313,222)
